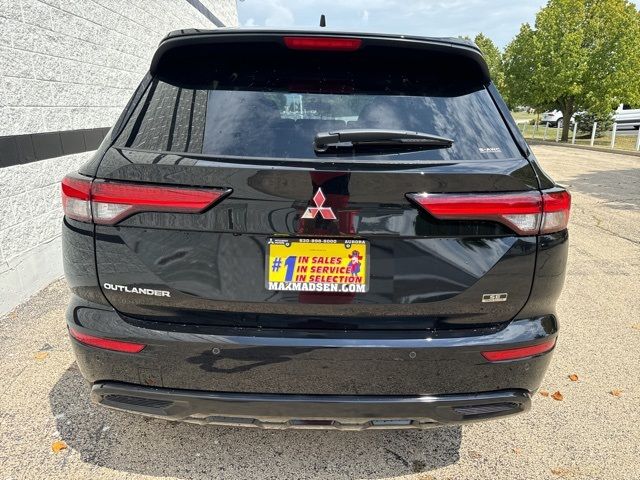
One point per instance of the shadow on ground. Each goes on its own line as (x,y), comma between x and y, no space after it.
(135,444)
(620,189)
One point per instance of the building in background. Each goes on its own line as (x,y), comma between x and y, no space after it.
(67,70)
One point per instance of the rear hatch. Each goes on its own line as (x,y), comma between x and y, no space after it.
(238,113)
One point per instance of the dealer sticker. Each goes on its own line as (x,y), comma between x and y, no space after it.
(317,265)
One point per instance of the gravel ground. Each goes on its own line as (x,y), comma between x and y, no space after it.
(589,434)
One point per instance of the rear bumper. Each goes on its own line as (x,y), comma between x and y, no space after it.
(311,363)
(341,412)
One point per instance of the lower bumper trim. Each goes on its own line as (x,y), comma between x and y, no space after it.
(287,411)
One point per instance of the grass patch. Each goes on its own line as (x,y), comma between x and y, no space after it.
(623,142)
(523,116)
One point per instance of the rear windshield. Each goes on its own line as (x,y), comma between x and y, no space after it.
(275,110)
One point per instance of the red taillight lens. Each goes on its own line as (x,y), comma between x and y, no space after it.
(519,211)
(323,43)
(113,201)
(108,203)
(106,343)
(556,207)
(518,353)
(523,212)
(76,197)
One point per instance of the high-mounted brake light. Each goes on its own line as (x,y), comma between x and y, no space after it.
(527,213)
(520,352)
(323,43)
(108,203)
(106,343)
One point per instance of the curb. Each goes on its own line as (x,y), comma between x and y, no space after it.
(584,147)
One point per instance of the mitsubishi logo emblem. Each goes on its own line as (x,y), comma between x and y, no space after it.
(326,212)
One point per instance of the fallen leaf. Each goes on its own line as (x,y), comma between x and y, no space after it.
(557,396)
(573,377)
(41,356)
(58,446)
(616,392)
(475,455)
(636,326)
(517,450)
(544,393)
(561,472)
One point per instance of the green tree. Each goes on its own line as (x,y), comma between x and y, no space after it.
(519,68)
(582,54)
(493,57)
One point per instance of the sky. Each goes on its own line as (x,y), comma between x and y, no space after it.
(500,20)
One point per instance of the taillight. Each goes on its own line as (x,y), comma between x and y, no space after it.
(556,207)
(106,343)
(323,43)
(524,212)
(76,197)
(520,352)
(107,203)
(113,201)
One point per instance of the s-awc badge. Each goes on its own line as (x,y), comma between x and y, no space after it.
(317,265)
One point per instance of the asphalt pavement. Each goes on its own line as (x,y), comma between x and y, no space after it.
(593,432)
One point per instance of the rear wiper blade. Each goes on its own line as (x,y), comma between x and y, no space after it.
(370,137)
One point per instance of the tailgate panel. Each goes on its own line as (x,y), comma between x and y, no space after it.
(426,273)
(206,273)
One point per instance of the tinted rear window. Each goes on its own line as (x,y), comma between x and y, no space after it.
(274,108)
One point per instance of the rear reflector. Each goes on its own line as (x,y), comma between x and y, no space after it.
(523,212)
(517,353)
(108,203)
(323,43)
(106,343)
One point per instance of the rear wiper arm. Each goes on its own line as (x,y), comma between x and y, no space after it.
(370,137)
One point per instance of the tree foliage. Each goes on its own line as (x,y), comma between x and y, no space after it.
(493,57)
(581,55)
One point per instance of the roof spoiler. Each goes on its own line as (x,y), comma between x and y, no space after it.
(187,38)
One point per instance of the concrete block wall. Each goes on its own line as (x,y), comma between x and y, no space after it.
(68,65)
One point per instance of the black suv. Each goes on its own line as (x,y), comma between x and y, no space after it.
(292,229)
